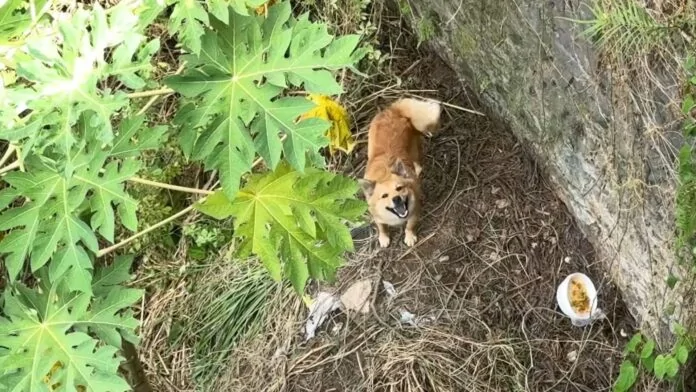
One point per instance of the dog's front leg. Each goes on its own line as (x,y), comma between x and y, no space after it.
(383,235)
(410,237)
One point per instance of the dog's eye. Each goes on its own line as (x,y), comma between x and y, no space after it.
(385,195)
(399,188)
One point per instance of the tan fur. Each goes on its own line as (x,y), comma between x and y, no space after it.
(394,152)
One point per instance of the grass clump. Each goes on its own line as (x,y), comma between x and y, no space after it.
(626,28)
(226,304)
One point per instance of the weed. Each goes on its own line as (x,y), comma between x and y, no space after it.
(626,28)
(227,304)
(641,355)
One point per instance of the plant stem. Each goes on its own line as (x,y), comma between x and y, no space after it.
(9,167)
(150,93)
(169,186)
(154,97)
(139,234)
(147,105)
(172,218)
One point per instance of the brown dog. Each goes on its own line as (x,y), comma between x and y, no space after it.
(392,179)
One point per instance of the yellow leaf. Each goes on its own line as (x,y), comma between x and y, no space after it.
(263,9)
(339,134)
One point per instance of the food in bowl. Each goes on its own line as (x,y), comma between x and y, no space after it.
(577,294)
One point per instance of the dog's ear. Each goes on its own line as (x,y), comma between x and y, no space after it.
(400,169)
(367,186)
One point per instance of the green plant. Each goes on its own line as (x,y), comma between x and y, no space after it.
(237,107)
(426,29)
(299,229)
(74,133)
(204,235)
(640,352)
(626,28)
(48,334)
(685,210)
(227,305)
(640,355)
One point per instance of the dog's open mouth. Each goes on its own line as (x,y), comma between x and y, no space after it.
(400,208)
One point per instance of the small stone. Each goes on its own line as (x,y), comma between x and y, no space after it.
(438,277)
(572,356)
(567,260)
(444,259)
(502,203)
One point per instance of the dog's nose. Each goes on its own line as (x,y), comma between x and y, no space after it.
(398,201)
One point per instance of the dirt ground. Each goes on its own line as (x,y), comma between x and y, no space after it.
(494,245)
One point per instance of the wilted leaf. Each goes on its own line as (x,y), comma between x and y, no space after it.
(339,134)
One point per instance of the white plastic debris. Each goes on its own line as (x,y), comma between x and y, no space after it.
(357,297)
(389,288)
(408,318)
(322,305)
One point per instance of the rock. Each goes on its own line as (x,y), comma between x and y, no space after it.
(531,68)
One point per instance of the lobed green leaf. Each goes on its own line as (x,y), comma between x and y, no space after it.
(236,87)
(294,222)
(47,334)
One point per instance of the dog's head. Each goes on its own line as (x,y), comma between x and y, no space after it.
(394,196)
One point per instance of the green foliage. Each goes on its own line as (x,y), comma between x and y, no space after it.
(69,74)
(685,210)
(61,82)
(204,235)
(236,87)
(293,221)
(190,18)
(426,28)
(227,304)
(640,355)
(47,333)
(626,28)
(50,224)
(15,18)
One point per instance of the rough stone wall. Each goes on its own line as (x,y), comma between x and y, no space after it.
(606,140)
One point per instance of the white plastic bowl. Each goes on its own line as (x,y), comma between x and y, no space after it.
(563,300)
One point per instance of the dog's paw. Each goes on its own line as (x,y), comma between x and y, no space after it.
(384,240)
(410,238)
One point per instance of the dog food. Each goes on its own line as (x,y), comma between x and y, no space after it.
(578,297)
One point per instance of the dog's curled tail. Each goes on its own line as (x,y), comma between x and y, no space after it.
(424,115)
